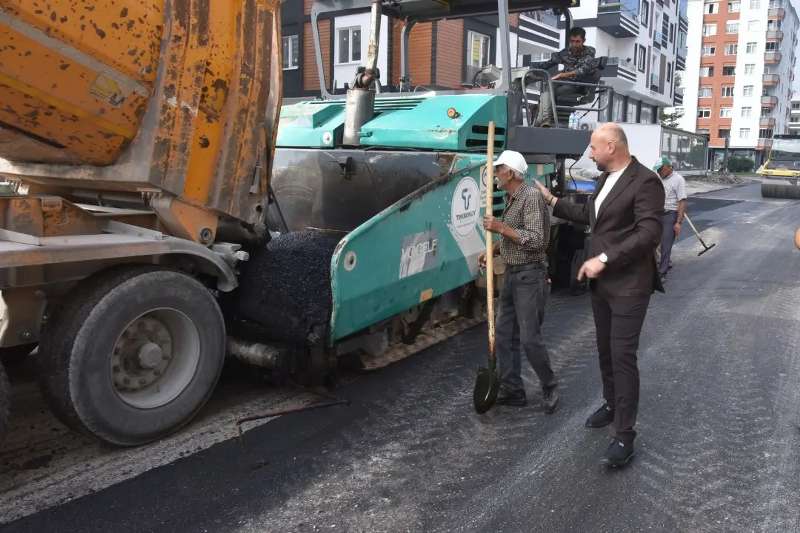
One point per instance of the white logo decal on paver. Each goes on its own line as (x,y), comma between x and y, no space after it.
(465,208)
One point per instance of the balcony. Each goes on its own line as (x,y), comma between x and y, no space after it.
(774,35)
(618,18)
(621,77)
(776,13)
(772,58)
(771,79)
(677,99)
(680,58)
(763,144)
(766,122)
(769,101)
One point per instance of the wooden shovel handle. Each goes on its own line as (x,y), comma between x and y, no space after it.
(489,241)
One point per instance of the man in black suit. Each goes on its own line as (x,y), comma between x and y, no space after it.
(624,215)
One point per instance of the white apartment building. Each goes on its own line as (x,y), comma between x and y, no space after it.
(740,69)
(645,43)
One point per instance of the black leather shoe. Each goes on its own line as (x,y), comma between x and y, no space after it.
(550,400)
(601,418)
(618,454)
(515,398)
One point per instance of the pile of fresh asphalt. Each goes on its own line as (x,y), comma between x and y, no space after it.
(285,286)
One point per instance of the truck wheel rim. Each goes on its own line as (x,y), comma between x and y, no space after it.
(155,358)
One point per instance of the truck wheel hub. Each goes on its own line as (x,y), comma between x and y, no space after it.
(141,355)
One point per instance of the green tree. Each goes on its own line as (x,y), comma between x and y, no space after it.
(670,120)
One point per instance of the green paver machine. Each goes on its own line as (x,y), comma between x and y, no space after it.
(384,190)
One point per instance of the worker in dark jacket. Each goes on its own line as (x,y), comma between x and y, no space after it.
(579,65)
(624,216)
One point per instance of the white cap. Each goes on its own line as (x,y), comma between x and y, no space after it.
(513,160)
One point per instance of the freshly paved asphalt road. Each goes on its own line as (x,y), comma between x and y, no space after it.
(719,446)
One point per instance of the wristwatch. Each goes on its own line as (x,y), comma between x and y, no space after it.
(603,258)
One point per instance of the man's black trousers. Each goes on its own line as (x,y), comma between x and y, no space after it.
(618,320)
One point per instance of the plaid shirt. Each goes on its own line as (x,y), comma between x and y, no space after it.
(583,63)
(527,213)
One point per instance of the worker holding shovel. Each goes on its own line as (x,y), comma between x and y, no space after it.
(525,231)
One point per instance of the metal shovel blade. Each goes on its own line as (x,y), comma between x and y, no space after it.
(486,387)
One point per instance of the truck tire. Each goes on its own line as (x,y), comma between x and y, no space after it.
(132,354)
(780,190)
(5,402)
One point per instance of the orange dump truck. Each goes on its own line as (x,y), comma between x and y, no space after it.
(139,137)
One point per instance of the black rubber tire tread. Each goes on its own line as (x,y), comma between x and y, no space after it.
(15,355)
(777,190)
(65,348)
(5,402)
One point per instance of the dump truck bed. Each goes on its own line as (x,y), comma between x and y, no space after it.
(159,96)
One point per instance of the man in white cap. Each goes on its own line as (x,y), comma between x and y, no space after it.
(525,231)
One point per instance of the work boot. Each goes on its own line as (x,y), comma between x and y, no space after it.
(512,398)
(550,400)
(601,418)
(618,454)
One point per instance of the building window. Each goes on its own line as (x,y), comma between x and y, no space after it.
(646,115)
(744,133)
(709,50)
(478,52)
(755,4)
(706,72)
(747,90)
(751,48)
(702,131)
(724,133)
(753,25)
(765,112)
(725,112)
(672,33)
(773,25)
(731,49)
(711,8)
(705,92)
(727,91)
(642,58)
(732,27)
(747,112)
(349,45)
(632,105)
(291,51)
(618,109)
(733,7)
(669,72)
(771,47)
(750,68)
(709,30)
(765,133)
(645,12)
(703,112)
(729,70)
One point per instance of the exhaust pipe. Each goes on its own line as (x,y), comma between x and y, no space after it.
(360,101)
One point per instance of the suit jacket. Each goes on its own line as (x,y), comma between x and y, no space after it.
(627,229)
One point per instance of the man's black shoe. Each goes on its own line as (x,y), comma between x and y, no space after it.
(550,400)
(515,399)
(618,454)
(601,418)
